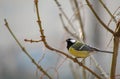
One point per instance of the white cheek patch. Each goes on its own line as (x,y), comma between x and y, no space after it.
(73,41)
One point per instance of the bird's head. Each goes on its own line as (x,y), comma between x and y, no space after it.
(70,42)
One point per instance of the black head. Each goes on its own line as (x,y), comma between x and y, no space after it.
(70,42)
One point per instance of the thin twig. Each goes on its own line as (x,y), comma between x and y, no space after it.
(99,67)
(25,51)
(74,71)
(42,57)
(67,30)
(117,29)
(79,19)
(112,16)
(58,51)
(64,14)
(32,41)
(109,24)
(98,18)
(56,73)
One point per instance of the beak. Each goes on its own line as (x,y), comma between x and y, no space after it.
(67,40)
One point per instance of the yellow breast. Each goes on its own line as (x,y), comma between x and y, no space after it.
(80,54)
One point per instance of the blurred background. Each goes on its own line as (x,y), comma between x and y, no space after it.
(21,16)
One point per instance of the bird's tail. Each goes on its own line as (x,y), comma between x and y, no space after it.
(102,50)
(105,51)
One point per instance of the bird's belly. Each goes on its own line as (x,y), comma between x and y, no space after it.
(80,54)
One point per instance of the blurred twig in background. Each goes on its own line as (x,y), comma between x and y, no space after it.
(105,7)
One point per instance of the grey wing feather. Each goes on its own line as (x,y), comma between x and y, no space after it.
(82,47)
(86,47)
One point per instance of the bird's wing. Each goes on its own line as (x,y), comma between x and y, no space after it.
(86,48)
(82,47)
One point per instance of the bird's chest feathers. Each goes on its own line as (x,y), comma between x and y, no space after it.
(80,54)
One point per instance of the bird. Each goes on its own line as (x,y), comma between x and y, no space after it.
(81,50)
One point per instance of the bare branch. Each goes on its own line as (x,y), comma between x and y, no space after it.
(114,58)
(80,19)
(66,29)
(31,41)
(112,16)
(99,67)
(58,51)
(115,49)
(109,24)
(64,14)
(98,18)
(25,51)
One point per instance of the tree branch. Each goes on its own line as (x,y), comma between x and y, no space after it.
(98,18)
(66,29)
(64,14)
(79,19)
(25,51)
(112,16)
(58,51)
(115,49)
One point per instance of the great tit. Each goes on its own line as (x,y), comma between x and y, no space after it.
(81,50)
